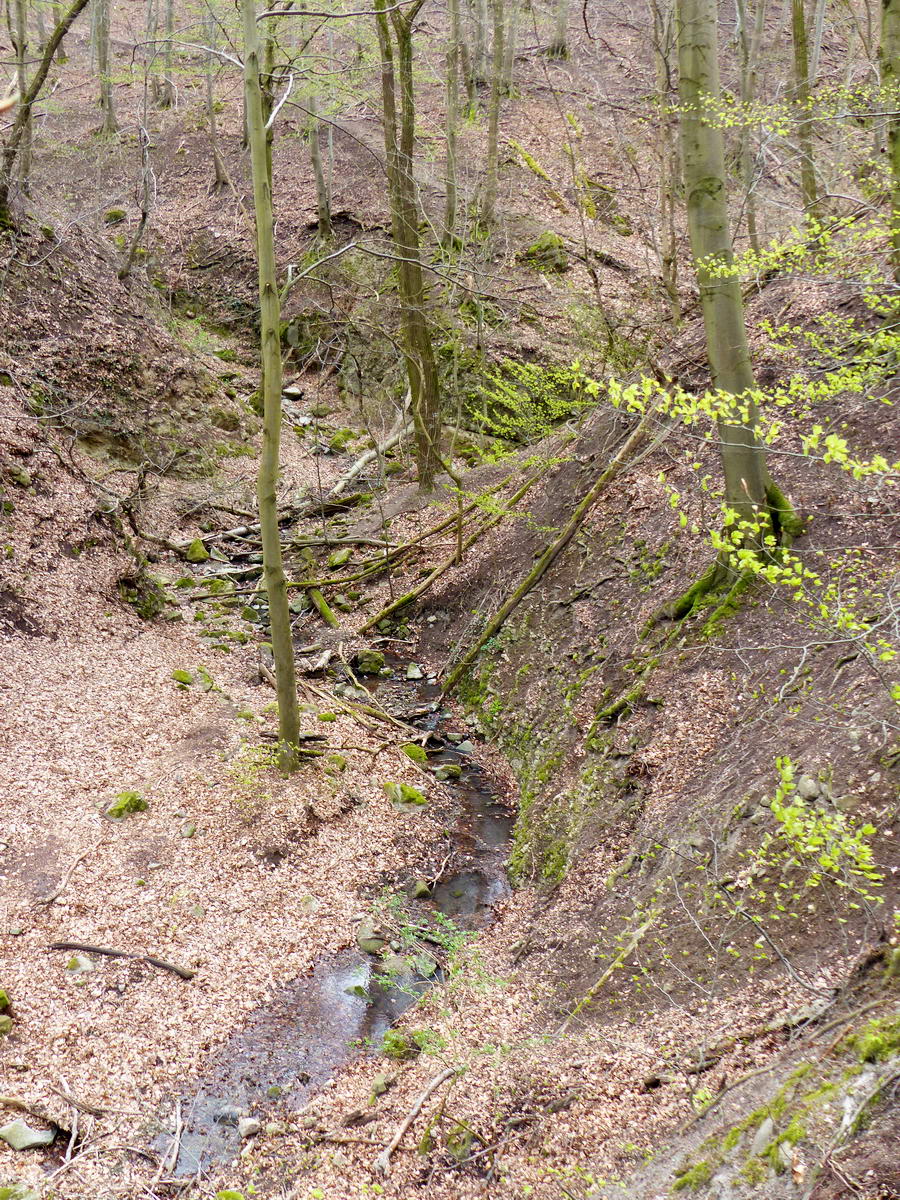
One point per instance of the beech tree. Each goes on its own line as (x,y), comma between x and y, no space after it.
(749,490)
(270,356)
(109,124)
(395,44)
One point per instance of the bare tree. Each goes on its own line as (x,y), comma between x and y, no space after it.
(109,124)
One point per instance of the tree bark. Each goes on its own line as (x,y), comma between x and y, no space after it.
(323,199)
(270,354)
(890,79)
(750,42)
(452,68)
(399,136)
(808,187)
(20,43)
(703,155)
(667,151)
(559,45)
(492,168)
(510,44)
(109,125)
(220,172)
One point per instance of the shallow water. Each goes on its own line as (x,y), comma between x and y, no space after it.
(290,1047)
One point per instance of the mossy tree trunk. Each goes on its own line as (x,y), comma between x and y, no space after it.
(747,480)
(270,354)
(19,31)
(890,79)
(399,140)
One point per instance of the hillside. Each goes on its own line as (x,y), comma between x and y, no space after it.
(580,890)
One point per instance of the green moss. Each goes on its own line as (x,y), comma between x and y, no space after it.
(754,1171)
(414,751)
(878,1040)
(196,552)
(693,1177)
(547,254)
(126,803)
(185,678)
(404,796)
(398,1045)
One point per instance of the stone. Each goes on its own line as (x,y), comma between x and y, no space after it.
(188,829)
(448,770)
(80,964)
(808,788)
(455,736)
(275,1129)
(196,552)
(183,677)
(4,999)
(21,1136)
(404,796)
(248,1127)
(420,890)
(125,804)
(414,671)
(414,751)
(339,558)
(20,476)
(380,1085)
(763,1137)
(6,1023)
(548,253)
(465,747)
(17,1191)
(228,1114)
(369,937)
(369,662)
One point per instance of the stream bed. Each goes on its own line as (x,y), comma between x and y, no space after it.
(291,1046)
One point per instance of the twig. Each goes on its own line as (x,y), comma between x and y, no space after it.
(90,1109)
(182,972)
(383,1161)
(63,883)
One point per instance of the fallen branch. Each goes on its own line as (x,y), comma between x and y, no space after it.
(439,570)
(556,547)
(63,883)
(401,429)
(383,1161)
(182,972)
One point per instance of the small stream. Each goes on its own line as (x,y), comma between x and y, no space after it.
(291,1047)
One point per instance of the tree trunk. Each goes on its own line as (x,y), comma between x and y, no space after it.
(270,354)
(890,78)
(323,198)
(808,188)
(20,44)
(22,124)
(220,173)
(667,151)
(57,18)
(703,154)
(510,43)
(559,45)
(452,67)
(399,135)
(166,93)
(750,42)
(489,202)
(109,125)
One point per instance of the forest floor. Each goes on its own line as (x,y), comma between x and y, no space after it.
(248,881)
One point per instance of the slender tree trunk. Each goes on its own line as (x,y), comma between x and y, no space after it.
(20,42)
(399,135)
(808,188)
(489,202)
(452,68)
(22,124)
(510,44)
(109,125)
(750,43)
(166,96)
(270,353)
(703,154)
(890,78)
(478,63)
(220,172)
(559,45)
(667,151)
(57,18)
(323,198)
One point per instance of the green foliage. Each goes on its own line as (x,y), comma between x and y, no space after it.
(877,1041)
(126,803)
(820,842)
(524,402)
